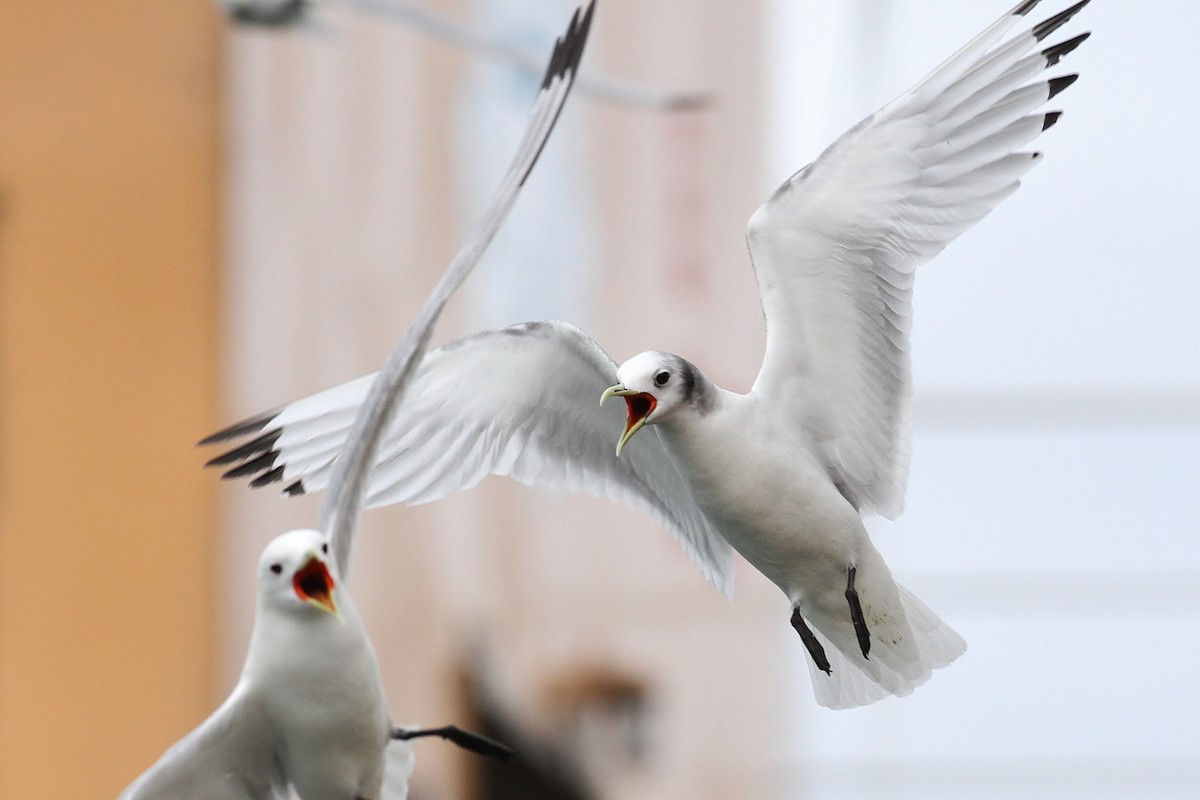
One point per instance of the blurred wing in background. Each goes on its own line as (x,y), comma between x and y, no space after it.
(296,13)
(266,13)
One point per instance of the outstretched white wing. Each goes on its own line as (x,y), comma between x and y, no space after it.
(230,756)
(835,248)
(519,401)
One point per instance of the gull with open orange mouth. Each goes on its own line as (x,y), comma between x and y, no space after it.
(314,585)
(640,405)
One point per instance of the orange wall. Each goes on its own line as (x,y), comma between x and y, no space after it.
(108,183)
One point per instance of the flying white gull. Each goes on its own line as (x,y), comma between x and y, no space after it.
(296,13)
(784,472)
(309,713)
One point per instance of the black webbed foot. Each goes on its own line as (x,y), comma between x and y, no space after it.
(464,739)
(856,615)
(810,641)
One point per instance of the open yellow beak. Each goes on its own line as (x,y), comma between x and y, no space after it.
(639,406)
(315,585)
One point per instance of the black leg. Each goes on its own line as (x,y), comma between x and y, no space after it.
(814,647)
(856,615)
(464,739)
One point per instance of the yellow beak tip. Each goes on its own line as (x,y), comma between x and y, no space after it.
(609,392)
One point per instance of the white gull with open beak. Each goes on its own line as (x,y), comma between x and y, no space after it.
(308,711)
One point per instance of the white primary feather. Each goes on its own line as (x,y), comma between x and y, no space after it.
(834,250)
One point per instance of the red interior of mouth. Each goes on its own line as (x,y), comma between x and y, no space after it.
(639,406)
(313,582)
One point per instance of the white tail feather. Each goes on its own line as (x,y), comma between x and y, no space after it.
(858,682)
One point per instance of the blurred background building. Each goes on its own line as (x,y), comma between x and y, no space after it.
(197,223)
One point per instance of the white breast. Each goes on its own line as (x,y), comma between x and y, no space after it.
(764,492)
(321,684)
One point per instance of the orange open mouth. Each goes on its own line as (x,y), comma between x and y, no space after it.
(639,407)
(314,584)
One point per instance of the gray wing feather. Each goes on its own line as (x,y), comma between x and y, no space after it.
(834,250)
(230,756)
(519,401)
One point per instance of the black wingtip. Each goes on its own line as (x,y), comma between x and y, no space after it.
(1044,29)
(264,462)
(564,62)
(293,489)
(267,478)
(1050,119)
(1059,51)
(252,448)
(1025,8)
(280,16)
(1057,85)
(239,429)
(568,50)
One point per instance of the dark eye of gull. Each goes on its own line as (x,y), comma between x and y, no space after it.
(277,568)
(661,378)
(325,548)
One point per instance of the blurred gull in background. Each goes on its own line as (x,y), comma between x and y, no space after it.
(295,14)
